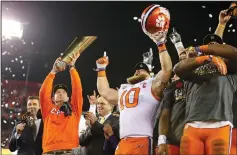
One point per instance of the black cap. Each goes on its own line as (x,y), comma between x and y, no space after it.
(142,65)
(212,38)
(60,86)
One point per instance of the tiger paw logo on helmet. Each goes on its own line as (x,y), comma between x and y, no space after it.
(155,19)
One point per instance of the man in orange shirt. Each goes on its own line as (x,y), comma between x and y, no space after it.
(60,117)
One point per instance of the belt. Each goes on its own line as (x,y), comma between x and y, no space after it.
(59,152)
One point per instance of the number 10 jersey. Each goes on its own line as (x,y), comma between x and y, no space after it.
(138,109)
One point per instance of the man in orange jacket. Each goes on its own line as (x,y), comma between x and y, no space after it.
(61,118)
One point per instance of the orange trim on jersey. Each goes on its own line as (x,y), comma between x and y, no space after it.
(156,97)
(121,100)
(135,98)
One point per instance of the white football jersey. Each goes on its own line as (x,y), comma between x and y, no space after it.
(138,109)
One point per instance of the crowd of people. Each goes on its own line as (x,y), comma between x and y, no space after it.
(188,108)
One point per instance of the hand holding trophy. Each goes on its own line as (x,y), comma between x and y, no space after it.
(73,52)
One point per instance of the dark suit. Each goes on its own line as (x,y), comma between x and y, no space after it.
(94,138)
(25,144)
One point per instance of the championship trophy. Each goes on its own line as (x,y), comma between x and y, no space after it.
(232,11)
(147,59)
(77,46)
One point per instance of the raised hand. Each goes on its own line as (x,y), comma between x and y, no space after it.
(74,57)
(58,66)
(224,17)
(175,36)
(102,62)
(93,98)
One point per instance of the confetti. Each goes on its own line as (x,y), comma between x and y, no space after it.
(10,116)
(6,68)
(7,9)
(61,54)
(13,75)
(6,105)
(13,103)
(24,75)
(12,122)
(230,25)
(4,121)
(210,15)
(134,18)
(195,40)
(13,61)
(24,42)
(139,20)
(203,6)
(23,67)
(16,59)
(21,61)
(209,29)
(20,56)
(32,43)
(12,46)
(6,138)
(233,30)
(19,114)
(228,30)
(6,81)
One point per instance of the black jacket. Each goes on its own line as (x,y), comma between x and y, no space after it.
(94,138)
(25,144)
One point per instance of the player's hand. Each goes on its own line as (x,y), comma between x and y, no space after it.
(175,37)
(73,57)
(159,37)
(190,52)
(58,66)
(91,117)
(224,17)
(20,127)
(93,98)
(220,64)
(162,149)
(106,136)
(108,130)
(102,62)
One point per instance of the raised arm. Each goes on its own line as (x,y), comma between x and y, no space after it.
(111,95)
(223,19)
(45,95)
(185,68)
(76,98)
(163,76)
(222,50)
(46,90)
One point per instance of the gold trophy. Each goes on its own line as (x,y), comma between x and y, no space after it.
(78,45)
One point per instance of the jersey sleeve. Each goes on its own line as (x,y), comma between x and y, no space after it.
(45,95)
(76,98)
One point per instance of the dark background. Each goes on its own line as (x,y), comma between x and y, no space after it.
(51,26)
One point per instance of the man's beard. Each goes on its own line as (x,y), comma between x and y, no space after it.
(137,78)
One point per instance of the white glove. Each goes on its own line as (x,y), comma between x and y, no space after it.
(158,37)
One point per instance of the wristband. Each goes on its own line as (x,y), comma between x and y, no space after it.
(101,73)
(179,45)
(201,49)
(161,140)
(222,26)
(203,59)
(162,48)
